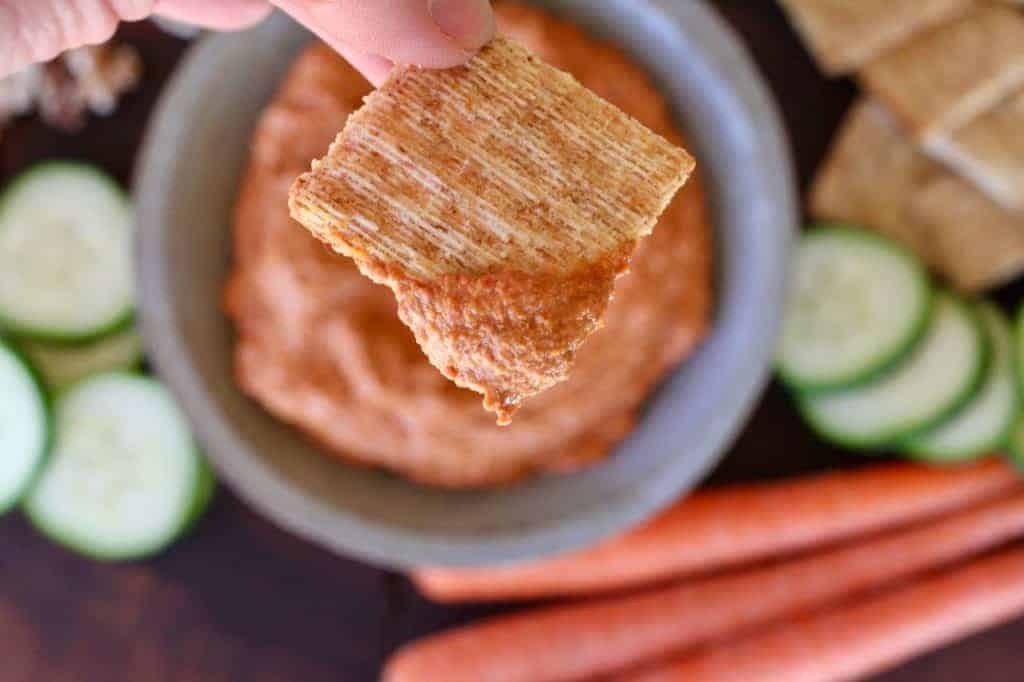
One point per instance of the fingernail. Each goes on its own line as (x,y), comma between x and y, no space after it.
(470,23)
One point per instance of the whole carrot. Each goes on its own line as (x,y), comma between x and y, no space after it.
(868,636)
(731,526)
(584,640)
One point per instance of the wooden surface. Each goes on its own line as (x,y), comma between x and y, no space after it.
(242,600)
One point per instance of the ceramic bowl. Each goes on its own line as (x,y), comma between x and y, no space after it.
(186,183)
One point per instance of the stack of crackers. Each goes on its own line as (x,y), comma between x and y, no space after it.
(933,154)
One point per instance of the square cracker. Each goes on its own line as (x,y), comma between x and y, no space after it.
(980,244)
(946,77)
(989,151)
(875,177)
(499,201)
(869,176)
(846,34)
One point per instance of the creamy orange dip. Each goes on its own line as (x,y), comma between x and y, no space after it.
(321,346)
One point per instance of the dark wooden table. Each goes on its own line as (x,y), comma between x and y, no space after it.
(242,600)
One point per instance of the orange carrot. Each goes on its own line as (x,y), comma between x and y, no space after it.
(732,526)
(580,641)
(865,637)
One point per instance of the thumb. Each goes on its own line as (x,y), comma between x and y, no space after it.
(430,33)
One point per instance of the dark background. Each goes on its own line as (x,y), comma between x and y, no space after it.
(240,599)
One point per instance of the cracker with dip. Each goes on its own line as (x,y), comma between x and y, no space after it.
(499,201)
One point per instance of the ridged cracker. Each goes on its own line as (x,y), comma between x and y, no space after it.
(943,79)
(876,177)
(869,177)
(981,244)
(499,201)
(846,34)
(989,152)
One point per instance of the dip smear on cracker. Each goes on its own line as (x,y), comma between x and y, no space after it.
(499,201)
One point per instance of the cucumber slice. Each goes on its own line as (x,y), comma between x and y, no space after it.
(1019,349)
(938,376)
(982,425)
(24,427)
(205,490)
(66,264)
(62,366)
(857,304)
(1015,451)
(125,478)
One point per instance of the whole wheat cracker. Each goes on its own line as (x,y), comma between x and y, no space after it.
(869,175)
(844,35)
(989,152)
(984,241)
(875,176)
(499,201)
(944,78)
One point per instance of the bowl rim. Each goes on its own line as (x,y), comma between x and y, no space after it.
(380,542)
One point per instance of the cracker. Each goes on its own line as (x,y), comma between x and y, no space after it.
(869,176)
(943,79)
(844,35)
(499,201)
(876,177)
(980,244)
(989,152)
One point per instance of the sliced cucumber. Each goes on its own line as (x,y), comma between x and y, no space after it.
(982,425)
(62,365)
(1015,451)
(66,265)
(1019,350)
(24,427)
(205,490)
(124,478)
(857,304)
(939,375)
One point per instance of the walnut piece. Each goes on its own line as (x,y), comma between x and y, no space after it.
(90,78)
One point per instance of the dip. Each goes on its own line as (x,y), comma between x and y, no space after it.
(321,346)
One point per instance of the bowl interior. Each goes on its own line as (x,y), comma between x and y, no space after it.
(186,184)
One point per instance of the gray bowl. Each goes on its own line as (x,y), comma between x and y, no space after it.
(186,183)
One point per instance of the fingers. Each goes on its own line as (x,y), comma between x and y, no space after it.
(430,33)
(372,34)
(225,15)
(374,67)
(470,23)
(39,30)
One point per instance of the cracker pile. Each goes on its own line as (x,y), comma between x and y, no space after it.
(876,176)
(845,35)
(499,201)
(933,154)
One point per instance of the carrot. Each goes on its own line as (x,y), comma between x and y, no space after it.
(584,640)
(866,637)
(732,526)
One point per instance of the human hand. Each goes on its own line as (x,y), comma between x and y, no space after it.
(372,34)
